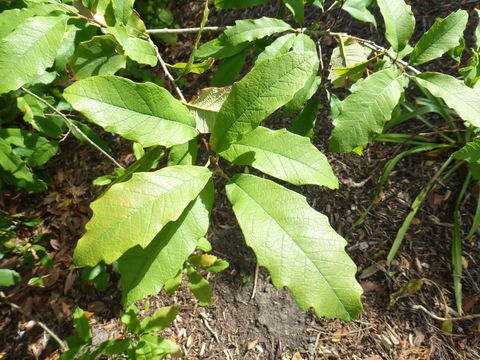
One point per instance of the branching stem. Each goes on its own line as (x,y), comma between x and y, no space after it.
(167,73)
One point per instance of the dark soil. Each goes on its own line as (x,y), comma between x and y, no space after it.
(249,319)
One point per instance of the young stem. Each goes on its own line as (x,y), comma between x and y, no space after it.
(186,30)
(167,73)
(72,126)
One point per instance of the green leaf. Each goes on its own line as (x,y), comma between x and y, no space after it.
(122,10)
(80,322)
(231,4)
(145,113)
(197,68)
(297,9)
(130,318)
(15,18)
(444,35)
(399,22)
(32,148)
(115,346)
(29,50)
(228,71)
(141,51)
(13,170)
(219,50)
(145,163)
(133,212)
(161,319)
(9,277)
(297,245)
(364,112)
(304,43)
(470,152)
(284,155)
(464,100)
(33,114)
(207,262)
(249,30)
(206,106)
(153,347)
(347,54)
(199,287)
(304,122)
(304,94)
(269,85)
(164,257)
(183,154)
(98,56)
(358,10)
(279,46)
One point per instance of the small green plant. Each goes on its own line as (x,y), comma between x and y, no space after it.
(155,214)
(29,251)
(139,340)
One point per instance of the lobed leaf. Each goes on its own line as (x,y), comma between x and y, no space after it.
(297,245)
(399,22)
(444,35)
(26,52)
(284,155)
(464,100)
(133,212)
(268,86)
(364,112)
(145,113)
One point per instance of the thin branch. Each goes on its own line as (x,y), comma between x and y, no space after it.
(62,344)
(186,30)
(255,281)
(167,73)
(367,43)
(371,45)
(439,318)
(72,125)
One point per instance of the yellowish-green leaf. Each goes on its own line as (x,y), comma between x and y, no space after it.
(29,50)
(399,22)
(284,155)
(444,35)
(297,245)
(145,113)
(464,100)
(133,212)
(268,86)
(364,112)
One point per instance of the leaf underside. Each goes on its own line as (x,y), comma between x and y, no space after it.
(297,245)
